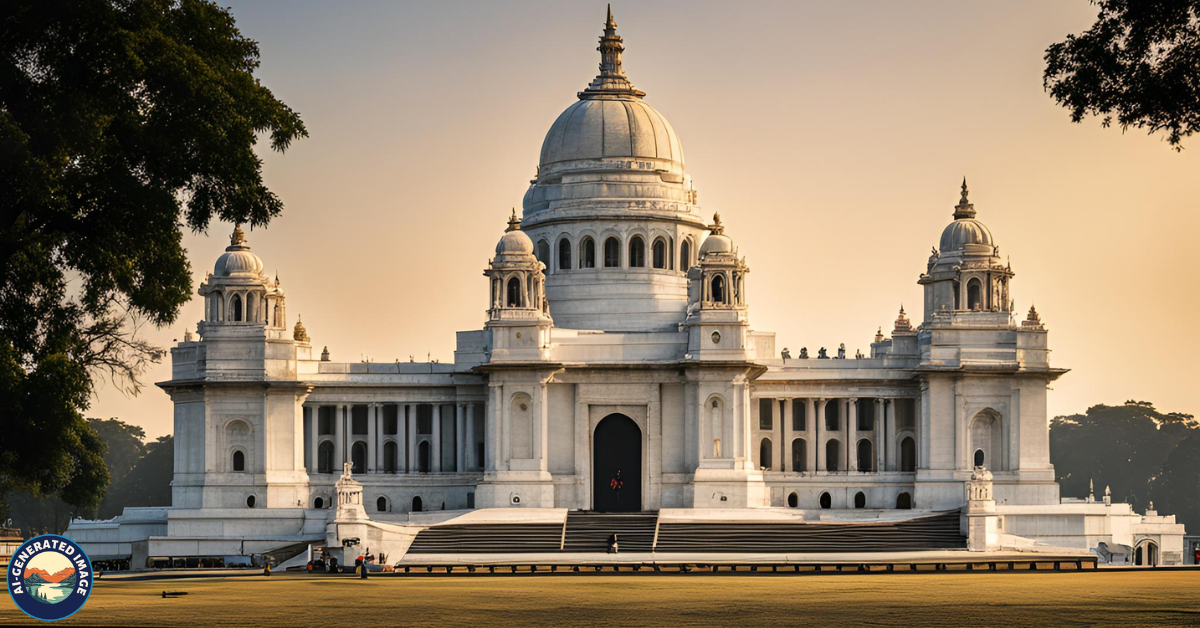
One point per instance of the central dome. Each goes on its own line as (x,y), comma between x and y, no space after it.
(595,128)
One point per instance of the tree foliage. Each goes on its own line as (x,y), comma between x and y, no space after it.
(1138,64)
(121,121)
(1132,449)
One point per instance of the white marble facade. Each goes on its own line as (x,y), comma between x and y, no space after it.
(615,299)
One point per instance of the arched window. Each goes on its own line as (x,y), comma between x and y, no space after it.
(860,500)
(239,460)
(587,253)
(513,297)
(717,292)
(318,503)
(974,295)
(715,415)
(799,455)
(236,306)
(685,255)
(423,457)
(358,456)
(325,457)
(908,455)
(833,451)
(612,253)
(659,253)
(956,287)
(250,502)
(564,254)
(826,501)
(793,500)
(543,252)
(979,457)
(866,458)
(764,453)
(416,504)
(904,501)
(637,252)
(389,456)
(986,441)
(381,504)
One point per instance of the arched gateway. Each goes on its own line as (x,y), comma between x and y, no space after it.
(617,465)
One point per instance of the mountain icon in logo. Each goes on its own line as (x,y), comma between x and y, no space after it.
(63,574)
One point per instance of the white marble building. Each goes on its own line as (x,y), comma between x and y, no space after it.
(618,338)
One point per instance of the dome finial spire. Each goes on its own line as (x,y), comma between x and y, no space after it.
(514,223)
(238,238)
(964,209)
(611,81)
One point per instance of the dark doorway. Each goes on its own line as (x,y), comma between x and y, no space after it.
(617,465)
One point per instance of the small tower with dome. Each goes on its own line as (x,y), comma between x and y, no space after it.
(518,314)
(717,319)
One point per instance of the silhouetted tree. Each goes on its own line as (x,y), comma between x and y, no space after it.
(1176,490)
(120,121)
(1137,64)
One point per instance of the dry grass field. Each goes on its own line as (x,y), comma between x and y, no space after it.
(1147,598)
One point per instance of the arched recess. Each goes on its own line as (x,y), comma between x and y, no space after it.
(390,456)
(904,501)
(985,437)
(826,501)
(717,290)
(238,462)
(908,454)
(793,500)
(325,457)
(685,255)
(564,254)
(423,461)
(543,252)
(381,504)
(358,457)
(1146,554)
(235,308)
(833,454)
(764,454)
(617,465)
(799,454)
(860,500)
(318,502)
(417,506)
(866,456)
(587,253)
(238,441)
(520,417)
(716,417)
(637,252)
(974,294)
(658,254)
(513,292)
(612,253)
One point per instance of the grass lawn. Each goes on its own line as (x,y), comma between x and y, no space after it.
(921,599)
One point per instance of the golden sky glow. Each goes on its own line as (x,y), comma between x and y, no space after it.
(831,136)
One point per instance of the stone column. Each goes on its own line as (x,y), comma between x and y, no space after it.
(785,459)
(339,429)
(435,447)
(820,425)
(460,429)
(852,434)
(372,436)
(410,429)
(401,438)
(889,435)
(314,422)
(469,440)
(880,445)
(491,453)
(810,433)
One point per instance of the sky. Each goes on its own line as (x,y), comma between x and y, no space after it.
(831,136)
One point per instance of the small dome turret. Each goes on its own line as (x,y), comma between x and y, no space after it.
(717,241)
(514,241)
(237,259)
(965,230)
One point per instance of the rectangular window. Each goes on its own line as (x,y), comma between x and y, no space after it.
(424,419)
(765,413)
(391,420)
(358,420)
(866,415)
(327,420)
(799,420)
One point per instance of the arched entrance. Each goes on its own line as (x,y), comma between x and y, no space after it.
(617,465)
(1146,554)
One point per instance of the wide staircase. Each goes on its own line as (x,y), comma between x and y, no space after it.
(488,538)
(936,532)
(589,531)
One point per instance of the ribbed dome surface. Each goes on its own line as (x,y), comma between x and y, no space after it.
(238,260)
(716,243)
(962,232)
(611,127)
(514,242)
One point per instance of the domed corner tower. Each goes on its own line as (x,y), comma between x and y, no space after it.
(612,212)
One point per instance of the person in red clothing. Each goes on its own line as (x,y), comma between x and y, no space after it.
(616,484)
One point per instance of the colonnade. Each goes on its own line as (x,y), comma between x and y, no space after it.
(408,446)
(885,448)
